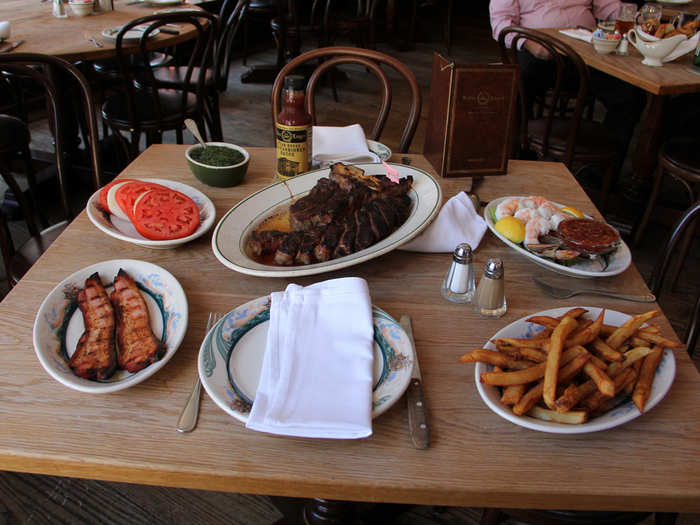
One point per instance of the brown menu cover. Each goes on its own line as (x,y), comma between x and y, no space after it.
(471,118)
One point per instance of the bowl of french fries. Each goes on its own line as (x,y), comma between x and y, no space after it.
(575,370)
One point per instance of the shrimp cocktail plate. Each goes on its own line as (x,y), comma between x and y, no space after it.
(558,237)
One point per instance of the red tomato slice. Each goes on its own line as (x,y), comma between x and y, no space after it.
(127,194)
(105,189)
(165,214)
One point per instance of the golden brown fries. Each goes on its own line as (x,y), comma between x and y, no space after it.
(577,367)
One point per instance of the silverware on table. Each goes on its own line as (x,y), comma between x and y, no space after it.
(564,293)
(190,413)
(94,41)
(12,46)
(417,412)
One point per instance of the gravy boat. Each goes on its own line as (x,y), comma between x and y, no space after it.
(654,52)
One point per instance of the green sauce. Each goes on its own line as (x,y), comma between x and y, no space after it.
(217,156)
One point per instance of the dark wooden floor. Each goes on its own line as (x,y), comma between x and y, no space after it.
(26,498)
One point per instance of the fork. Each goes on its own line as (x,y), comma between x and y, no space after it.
(94,41)
(190,413)
(564,293)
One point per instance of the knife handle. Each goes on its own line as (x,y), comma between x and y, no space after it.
(417,415)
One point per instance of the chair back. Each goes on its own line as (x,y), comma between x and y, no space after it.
(230,22)
(565,61)
(372,60)
(205,26)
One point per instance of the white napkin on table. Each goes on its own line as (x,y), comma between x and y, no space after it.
(333,144)
(457,222)
(316,378)
(579,34)
(684,47)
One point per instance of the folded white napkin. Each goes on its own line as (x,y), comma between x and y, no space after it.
(457,222)
(316,378)
(684,47)
(580,34)
(333,144)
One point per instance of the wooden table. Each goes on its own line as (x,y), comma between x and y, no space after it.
(674,78)
(33,22)
(476,458)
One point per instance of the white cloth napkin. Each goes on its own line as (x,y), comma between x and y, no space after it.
(333,144)
(316,378)
(457,222)
(684,47)
(580,34)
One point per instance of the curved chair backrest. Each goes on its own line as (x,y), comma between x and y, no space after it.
(205,26)
(563,56)
(52,74)
(230,22)
(657,277)
(372,60)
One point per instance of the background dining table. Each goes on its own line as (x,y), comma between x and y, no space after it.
(476,458)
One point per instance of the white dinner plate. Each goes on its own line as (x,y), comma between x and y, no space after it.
(234,228)
(125,231)
(131,36)
(622,413)
(379,149)
(675,2)
(164,2)
(59,322)
(231,355)
(617,262)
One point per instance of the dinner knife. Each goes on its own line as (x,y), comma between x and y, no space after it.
(417,413)
(13,46)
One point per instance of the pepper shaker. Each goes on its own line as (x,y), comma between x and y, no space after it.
(490,298)
(458,285)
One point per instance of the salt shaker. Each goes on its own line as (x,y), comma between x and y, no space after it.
(458,285)
(490,298)
(623,47)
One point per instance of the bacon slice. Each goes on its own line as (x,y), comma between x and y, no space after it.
(137,346)
(95,356)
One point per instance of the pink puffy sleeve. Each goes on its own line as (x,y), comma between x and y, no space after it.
(504,13)
(606,9)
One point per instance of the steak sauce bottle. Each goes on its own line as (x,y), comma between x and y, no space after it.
(293,130)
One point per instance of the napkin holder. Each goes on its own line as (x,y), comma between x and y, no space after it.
(471,118)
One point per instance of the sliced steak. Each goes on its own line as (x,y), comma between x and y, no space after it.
(266,241)
(364,237)
(346,243)
(323,251)
(309,240)
(380,226)
(287,251)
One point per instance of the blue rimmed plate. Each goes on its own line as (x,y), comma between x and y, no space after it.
(231,355)
(622,413)
(379,149)
(59,322)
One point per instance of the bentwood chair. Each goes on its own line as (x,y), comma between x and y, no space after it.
(216,74)
(142,105)
(562,135)
(44,71)
(373,62)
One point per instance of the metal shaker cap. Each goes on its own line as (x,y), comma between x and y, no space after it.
(494,269)
(462,253)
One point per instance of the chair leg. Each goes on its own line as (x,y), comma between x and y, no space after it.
(688,237)
(607,184)
(691,336)
(650,205)
(33,186)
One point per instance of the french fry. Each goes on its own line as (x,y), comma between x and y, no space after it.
(587,334)
(630,358)
(533,354)
(598,362)
(527,375)
(544,320)
(600,378)
(487,356)
(574,313)
(536,342)
(651,329)
(629,328)
(651,337)
(512,394)
(569,418)
(572,395)
(642,389)
(593,402)
(565,327)
(602,349)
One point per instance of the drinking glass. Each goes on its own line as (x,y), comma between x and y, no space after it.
(625,18)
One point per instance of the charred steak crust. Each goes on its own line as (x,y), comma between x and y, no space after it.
(95,356)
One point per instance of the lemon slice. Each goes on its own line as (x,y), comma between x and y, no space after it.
(511,228)
(572,211)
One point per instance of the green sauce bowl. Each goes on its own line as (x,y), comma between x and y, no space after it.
(220,176)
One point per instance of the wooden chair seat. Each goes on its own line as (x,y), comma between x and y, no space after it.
(116,109)
(592,139)
(27,254)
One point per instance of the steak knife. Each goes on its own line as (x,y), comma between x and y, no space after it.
(417,413)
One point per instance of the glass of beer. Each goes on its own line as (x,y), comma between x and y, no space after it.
(625,18)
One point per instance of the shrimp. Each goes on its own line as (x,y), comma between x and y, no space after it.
(556,218)
(532,201)
(547,209)
(507,208)
(525,214)
(534,228)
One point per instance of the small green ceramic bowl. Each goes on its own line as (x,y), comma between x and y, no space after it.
(221,176)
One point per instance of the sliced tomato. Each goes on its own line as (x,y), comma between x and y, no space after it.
(105,189)
(163,214)
(127,194)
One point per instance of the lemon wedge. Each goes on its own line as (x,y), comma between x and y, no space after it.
(511,228)
(572,211)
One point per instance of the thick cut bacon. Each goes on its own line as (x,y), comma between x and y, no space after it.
(95,356)
(137,346)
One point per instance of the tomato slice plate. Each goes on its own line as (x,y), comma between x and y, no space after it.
(164,214)
(127,194)
(105,189)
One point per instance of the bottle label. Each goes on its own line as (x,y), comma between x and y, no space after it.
(293,150)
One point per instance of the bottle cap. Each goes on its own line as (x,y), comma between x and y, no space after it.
(462,253)
(494,269)
(294,82)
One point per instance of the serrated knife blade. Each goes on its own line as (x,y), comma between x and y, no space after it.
(417,412)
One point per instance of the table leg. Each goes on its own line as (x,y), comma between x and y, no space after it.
(644,160)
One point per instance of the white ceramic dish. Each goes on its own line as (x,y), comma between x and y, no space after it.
(379,149)
(234,228)
(604,46)
(125,231)
(231,355)
(164,2)
(132,36)
(675,2)
(82,8)
(59,322)
(618,261)
(656,52)
(621,414)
